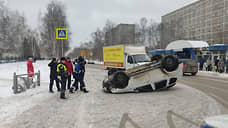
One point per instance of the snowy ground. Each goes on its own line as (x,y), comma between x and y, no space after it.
(7,71)
(36,108)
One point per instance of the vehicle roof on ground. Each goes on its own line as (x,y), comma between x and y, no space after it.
(180,44)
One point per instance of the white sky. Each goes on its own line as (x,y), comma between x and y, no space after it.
(85,16)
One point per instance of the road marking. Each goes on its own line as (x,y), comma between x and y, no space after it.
(218,80)
(206,86)
(81,123)
(219,99)
(204,78)
(92,109)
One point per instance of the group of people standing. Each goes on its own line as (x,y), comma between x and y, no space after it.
(62,72)
(220,65)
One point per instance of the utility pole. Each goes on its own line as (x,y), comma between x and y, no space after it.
(61,34)
(62,48)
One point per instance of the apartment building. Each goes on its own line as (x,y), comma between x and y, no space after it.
(205,20)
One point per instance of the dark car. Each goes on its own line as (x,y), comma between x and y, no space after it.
(189,66)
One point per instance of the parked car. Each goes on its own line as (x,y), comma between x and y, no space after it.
(189,66)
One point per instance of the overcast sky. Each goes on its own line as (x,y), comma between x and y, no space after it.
(85,16)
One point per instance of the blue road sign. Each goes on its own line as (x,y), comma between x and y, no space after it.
(61,33)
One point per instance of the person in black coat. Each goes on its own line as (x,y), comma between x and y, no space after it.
(80,73)
(53,75)
(62,76)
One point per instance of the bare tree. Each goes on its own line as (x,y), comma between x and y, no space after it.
(54,18)
(108,32)
(153,34)
(98,39)
(143,29)
(12,32)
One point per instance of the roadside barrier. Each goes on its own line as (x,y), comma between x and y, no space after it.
(126,118)
(172,125)
(26,82)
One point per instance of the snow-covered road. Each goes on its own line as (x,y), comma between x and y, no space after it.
(37,108)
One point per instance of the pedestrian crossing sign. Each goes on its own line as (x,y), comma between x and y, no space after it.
(61,33)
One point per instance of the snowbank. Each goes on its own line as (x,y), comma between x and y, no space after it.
(7,70)
(216,74)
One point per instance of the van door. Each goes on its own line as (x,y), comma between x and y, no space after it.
(130,63)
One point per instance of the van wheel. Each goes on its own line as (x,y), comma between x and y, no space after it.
(194,73)
(120,80)
(107,86)
(156,58)
(170,63)
(111,71)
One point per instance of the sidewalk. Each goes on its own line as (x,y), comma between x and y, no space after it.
(215,74)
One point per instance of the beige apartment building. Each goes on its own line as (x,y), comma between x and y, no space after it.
(121,34)
(205,20)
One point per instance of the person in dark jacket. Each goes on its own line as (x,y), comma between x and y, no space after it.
(69,70)
(80,73)
(201,63)
(53,75)
(216,64)
(62,76)
(227,66)
(75,84)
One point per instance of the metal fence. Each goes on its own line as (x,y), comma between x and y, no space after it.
(22,82)
(11,59)
(15,59)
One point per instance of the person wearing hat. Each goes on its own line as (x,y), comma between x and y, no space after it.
(53,75)
(30,69)
(62,76)
(75,76)
(79,74)
(69,70)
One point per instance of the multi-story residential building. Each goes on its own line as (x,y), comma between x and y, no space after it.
(205,20)
(121,34)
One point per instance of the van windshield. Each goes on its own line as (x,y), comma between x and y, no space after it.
(141,58)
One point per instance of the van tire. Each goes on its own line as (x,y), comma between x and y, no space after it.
(120,79)
(111,71)
(156,58)
(169,63)
(194,73)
